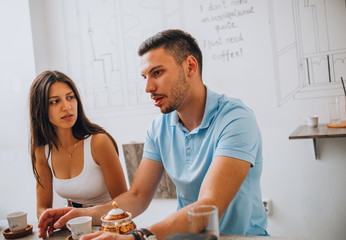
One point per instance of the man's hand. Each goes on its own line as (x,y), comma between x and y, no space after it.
(106,236)
(52,219)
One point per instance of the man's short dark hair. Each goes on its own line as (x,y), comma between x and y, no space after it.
(177,42)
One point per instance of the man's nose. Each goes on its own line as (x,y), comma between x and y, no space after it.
(150,86)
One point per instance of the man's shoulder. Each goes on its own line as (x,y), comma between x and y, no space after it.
(225,102)
(229,105)
(233,113)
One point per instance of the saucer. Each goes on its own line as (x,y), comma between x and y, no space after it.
(342,124)
(11,235)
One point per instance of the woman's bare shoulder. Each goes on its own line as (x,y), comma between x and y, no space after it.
(99,139)
(101,142)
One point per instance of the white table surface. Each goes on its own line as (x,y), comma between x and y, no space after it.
(62,234)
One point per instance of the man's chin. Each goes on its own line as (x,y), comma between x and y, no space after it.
(163,112)
(166,110)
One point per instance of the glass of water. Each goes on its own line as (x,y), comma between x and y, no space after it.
(334,111)
(204,219)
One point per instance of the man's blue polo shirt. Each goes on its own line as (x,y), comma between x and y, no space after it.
(228,128)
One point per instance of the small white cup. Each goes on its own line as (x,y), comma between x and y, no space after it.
(312,121)
(17,221)
(79,226)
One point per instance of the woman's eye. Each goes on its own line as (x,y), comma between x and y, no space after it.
(53,102)
(70,97)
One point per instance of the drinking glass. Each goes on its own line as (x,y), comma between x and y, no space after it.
(334,111)
(204,219)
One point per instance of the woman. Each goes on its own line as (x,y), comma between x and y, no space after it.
(68,151)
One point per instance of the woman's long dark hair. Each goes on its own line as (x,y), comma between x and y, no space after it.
(41,129)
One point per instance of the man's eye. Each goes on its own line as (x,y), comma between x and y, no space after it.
(157,73)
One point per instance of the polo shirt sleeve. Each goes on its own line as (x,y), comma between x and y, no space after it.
(238,135)
(151,150)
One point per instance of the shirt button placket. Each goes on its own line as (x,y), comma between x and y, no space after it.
(188,148)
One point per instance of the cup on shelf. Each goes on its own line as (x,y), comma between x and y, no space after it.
(312,121)
(17,221)
(204,219)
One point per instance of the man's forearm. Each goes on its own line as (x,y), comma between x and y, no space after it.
(98,211)
(127,201)
(176,222)
(133,202)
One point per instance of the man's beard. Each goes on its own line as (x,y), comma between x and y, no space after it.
(177,93)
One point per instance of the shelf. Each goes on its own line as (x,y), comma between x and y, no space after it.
(322,131)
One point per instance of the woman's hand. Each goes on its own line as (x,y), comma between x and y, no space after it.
(52,219)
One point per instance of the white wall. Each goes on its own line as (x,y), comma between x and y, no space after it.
(16,73)
(308,195)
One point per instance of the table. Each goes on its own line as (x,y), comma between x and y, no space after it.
(62,234)
(321,131)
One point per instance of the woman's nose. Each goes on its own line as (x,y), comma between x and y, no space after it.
(67,106)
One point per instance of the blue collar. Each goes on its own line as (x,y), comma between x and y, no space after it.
(210,110)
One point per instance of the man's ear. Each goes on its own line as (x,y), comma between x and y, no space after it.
(191,66)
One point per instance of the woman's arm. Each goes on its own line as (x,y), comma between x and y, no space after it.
(44,193)
(136,200)
(105,155)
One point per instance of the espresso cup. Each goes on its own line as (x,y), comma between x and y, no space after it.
(312,121)
(17,221)
(79,226)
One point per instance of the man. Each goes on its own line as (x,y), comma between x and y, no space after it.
(209,145)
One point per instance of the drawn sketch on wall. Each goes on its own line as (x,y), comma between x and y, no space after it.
(309,39)
(102,38)
(231,35)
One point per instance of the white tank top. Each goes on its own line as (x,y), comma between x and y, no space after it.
(89,187)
